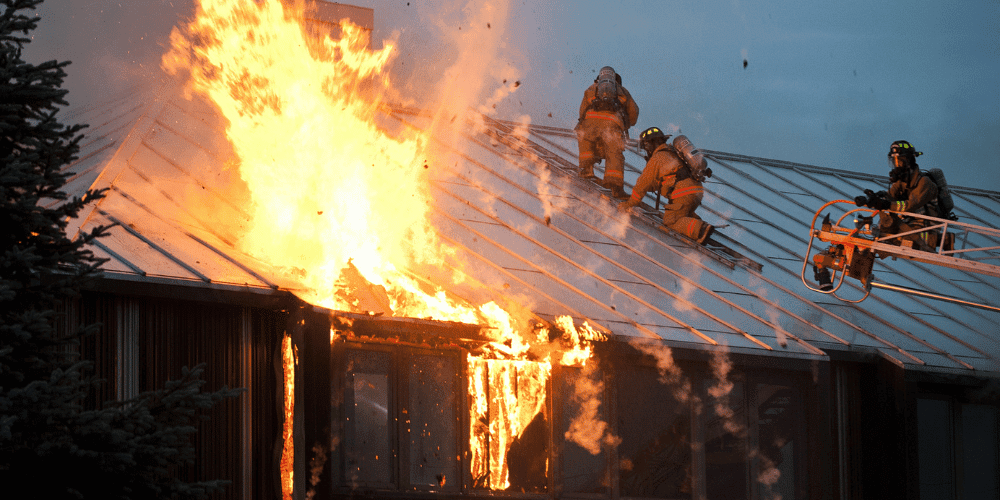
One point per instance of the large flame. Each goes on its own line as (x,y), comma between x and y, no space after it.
(334,193)
(328,185)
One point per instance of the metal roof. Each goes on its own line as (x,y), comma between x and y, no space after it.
(532,230)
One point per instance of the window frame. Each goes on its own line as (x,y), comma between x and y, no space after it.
(695,368)
(956,403)
(399,431)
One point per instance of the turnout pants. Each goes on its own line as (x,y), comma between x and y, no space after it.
(601,136)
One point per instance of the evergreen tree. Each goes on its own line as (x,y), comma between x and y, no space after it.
(50,445)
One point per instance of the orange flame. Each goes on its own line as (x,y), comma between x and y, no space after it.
(328,185)
(287,466)
(506,395)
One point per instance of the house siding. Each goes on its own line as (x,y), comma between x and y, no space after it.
(144,341)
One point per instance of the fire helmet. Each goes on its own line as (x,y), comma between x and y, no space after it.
(902,154)
(606,73)
(650,139)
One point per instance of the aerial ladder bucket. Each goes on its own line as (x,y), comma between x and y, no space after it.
(854,249)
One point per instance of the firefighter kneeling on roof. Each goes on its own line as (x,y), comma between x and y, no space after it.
(669,168)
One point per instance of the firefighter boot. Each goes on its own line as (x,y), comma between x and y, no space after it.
(823,277)
(587,171)
(706,232)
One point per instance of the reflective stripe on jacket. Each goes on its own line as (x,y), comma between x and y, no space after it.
(681,192)
(660,172)
(918,195)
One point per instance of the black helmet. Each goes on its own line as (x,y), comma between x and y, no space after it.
(902,154)
(650,139)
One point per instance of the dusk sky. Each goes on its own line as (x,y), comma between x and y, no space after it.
(825,83)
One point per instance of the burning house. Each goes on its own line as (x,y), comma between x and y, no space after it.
(424,304)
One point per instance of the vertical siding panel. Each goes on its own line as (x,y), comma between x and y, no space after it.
(144,341)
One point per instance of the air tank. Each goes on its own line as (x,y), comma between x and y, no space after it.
(945,203)
(695,160)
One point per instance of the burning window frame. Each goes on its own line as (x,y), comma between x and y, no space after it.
(401,343)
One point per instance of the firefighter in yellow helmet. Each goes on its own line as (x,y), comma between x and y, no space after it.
(667,171)
(607,111)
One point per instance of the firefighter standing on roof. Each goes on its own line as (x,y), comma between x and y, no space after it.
(607,111)
(667,171)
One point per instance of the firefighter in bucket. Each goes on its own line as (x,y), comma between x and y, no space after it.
(677,170)
(911,191)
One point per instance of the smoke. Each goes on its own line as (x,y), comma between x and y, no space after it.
(114,46)
(688,286)
(316,464)
(587,429)
(720,394)
(721,366)
(472,36)
(671,129)
(617,226)
(670,373)
(549,199)
(769,475)
(772,313)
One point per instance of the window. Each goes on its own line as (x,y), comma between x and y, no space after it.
(368,406)
(726,454)
(655,426)
(422,420)
(957,449)
(400,420)
(583,412)
(980,456)
(741,438)
(431,423)
(780,441)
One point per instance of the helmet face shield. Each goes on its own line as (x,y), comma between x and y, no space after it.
(902,158)
(897,160)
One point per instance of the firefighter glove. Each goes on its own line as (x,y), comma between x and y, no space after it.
(879,201)
(873,200)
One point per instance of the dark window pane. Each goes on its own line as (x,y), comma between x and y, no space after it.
(981,466)
(367,447)
(779,440)
(726,467)
(584,461)
(934,435)
(433,445)
(655,452)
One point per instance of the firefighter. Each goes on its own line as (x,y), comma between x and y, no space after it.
(910,190)
(666,170)
(607,111)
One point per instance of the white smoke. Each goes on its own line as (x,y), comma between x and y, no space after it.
(587,429)
(670,374)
